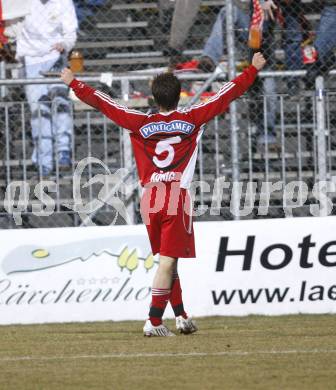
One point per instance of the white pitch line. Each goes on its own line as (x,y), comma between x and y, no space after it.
(164,355)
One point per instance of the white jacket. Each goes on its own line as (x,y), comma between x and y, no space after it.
(53,22)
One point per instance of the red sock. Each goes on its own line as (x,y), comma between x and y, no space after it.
(176,297)
(160,298)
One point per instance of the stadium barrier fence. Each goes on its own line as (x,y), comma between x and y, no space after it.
(302,157)
(280,135)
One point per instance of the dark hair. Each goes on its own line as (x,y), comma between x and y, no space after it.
(166,89)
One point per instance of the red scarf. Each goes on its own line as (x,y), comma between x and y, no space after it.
(255,36)
(258,15)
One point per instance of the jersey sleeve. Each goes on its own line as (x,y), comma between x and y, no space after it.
(121,115)
(204,112)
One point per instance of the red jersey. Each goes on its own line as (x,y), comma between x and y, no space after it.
(165,144)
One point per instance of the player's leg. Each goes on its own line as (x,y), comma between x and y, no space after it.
(151,214)
(160,296)
(184,324)
(161,289)
(179,242)
(175,299)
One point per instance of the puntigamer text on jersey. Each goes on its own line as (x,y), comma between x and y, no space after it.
(163,127)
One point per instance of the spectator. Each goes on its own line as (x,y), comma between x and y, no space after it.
(184,15)
(296,28)
(47,35)
(214,47)
(263,99)
(325,43)
(213,52)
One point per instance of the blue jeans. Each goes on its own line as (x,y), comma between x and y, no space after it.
(293,40)
(51,119)
(324,43)
(86,8)
(214,47)
(325,40)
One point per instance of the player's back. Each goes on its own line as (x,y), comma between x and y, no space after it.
(165,144)
(165,147)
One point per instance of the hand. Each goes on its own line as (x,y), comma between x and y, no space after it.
(268,8)
(67,76)
(258,61)
(59,47)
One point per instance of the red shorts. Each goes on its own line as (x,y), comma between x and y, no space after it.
(168,218)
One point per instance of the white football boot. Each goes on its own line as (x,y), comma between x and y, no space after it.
(185,325)
(160,330)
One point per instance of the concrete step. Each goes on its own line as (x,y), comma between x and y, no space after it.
(114,44)
(131,24)
(135,6)
(126,61)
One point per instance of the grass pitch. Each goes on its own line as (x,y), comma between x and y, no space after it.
(290,352)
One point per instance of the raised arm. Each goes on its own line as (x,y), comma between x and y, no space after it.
(121,115)
(219,103)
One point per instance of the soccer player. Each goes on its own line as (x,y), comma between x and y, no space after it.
(165,147)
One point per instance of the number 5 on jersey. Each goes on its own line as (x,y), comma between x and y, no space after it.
(166,146)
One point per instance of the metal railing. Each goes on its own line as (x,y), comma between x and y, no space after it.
(264,177)
(302,153)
